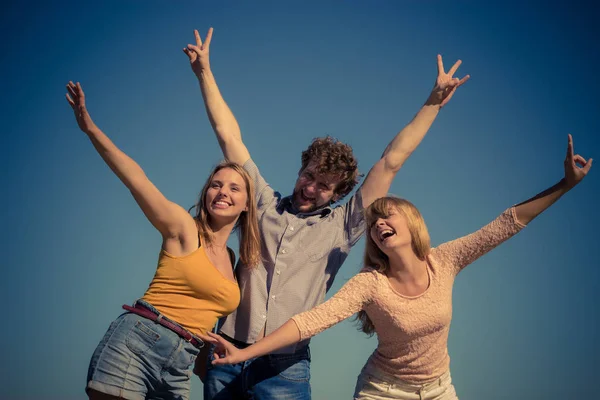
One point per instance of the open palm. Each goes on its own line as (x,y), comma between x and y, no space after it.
(76,99)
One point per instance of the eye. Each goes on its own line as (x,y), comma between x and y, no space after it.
(235,188)
(323,187)
(214,185)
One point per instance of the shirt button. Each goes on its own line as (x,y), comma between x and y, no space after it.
(273,297)
(291,228)
(264,316)
(283,251)
(278,272)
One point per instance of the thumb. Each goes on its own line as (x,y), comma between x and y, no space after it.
(191,55)
(588,166)
(220,361)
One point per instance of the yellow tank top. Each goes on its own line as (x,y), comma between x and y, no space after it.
(191,291)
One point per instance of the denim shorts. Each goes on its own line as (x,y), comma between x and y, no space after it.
(139,359)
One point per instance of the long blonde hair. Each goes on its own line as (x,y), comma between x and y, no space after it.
(246,225)
(375,258)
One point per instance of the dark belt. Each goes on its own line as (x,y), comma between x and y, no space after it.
(145,312)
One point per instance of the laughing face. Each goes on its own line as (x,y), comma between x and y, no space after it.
(227,195)
(390,231)
(314,190)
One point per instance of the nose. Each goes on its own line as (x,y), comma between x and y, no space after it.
(223,191)
(311,188)
(380,222)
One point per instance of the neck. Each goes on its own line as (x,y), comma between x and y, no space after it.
(221,233)
(405,265)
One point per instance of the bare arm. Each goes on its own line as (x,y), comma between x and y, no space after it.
(221,118)
(168,218)
(465,250)
(226,353)
(529,209)
(380,177)
(350,299)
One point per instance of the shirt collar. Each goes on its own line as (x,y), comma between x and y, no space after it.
(287,204)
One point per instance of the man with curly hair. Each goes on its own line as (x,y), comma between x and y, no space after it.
(304,239)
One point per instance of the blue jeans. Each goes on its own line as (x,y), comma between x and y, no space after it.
(270,377)
(140,359)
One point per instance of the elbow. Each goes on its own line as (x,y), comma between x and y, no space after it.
(393,162)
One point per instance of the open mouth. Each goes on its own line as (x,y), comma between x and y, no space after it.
(383,235)
(306,198)
(220,204)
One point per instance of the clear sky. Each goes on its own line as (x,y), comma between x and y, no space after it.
(76,246)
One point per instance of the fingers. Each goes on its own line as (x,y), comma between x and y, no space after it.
(454,68)
(440,65)
(588,166)
(463,80)
(584,165)
(198,40)
(207,339)
(577,159)
(219,340)
(191,54)
(570,148)
(80,91)
(220,361)
(72,90)
(70,100)
(193,48)
(208,38)
(207,41)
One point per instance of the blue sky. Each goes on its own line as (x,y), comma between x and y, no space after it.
(77,247)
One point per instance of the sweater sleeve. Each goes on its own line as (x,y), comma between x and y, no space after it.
(465,250)
(350,299)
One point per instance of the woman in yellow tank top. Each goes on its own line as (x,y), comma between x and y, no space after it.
(149,351)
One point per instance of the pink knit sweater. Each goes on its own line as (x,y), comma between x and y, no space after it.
(412,331)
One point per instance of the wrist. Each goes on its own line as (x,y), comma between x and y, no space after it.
(91,131)
(245,354)
(565,186)
(434,100)
(204,72)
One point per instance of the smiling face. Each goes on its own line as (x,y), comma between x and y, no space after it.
(390,231)
(226,196)
(394,223)
(314,190)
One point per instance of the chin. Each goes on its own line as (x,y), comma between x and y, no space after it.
(228,214)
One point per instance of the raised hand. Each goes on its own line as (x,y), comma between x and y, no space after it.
(76,99)
(225,352)
(445,84)
(198,54)
(574,173)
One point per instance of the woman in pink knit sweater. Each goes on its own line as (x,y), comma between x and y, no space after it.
(404,294)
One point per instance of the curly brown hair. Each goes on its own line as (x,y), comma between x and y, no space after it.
(335,158)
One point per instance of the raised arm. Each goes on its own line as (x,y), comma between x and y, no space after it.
(170,219)
(465,250)
(529,209)
(380,177)
(221,118)
(350,299)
